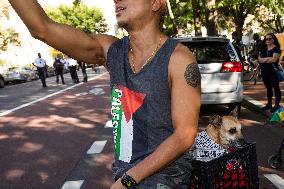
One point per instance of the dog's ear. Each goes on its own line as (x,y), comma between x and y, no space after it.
(216,121)
(234,112)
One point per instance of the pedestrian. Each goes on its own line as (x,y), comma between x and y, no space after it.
(155,84)
(257,45)
(269,57)
(59,67)
(40,64)
(82,65)
(237,45)
(72,66)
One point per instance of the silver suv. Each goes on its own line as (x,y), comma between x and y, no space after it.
(220,68)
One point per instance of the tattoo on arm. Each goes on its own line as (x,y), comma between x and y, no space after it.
(192,75)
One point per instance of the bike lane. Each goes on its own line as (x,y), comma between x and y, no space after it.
(41,144)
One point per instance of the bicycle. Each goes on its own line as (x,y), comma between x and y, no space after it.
(251,70)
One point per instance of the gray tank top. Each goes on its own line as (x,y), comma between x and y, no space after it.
(140,105)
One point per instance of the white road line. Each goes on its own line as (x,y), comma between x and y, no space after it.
(108,124)
(253,101)
(73,184)
(97,147)
(276,180)
(43,98)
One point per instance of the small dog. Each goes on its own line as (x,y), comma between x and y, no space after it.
(220,136)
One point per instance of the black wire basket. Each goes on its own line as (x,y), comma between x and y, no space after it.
(235,170)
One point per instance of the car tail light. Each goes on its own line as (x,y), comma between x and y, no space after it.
(232,67)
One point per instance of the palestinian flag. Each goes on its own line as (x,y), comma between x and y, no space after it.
(123,106)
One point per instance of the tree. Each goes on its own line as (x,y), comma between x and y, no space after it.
(271,17)
(210,17)
(181,18)
(90,20)
(197,16)
(7,35)
(237,10)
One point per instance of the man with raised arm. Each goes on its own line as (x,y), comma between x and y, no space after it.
(155,86)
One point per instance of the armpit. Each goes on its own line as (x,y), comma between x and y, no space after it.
(192,75)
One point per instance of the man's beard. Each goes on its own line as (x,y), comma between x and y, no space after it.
(122,24)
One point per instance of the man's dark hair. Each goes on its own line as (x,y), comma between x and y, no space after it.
(255,36)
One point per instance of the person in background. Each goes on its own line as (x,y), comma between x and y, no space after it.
(257,45)
(40,64)
(269,57)
(59,67)
(82,65)
(72,66)
(237,45)
(155,90)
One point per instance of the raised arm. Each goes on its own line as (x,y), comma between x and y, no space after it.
(71,41)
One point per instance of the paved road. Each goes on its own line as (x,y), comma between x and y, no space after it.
(65,141)
(15,95)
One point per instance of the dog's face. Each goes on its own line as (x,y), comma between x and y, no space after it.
(226,130)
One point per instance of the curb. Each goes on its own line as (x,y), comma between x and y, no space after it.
(254,105)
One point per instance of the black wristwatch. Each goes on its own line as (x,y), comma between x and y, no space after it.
(128,182)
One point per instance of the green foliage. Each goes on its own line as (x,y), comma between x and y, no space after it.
(182,11)
(90,20)
(237,11)
(8,36)
(272,16)
(2,63)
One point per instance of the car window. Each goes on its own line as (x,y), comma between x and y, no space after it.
(211,51)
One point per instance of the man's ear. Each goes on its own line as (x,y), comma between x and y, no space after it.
(234,112)
(216,121)
(158,5)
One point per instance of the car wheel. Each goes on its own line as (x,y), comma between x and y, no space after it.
(2,83)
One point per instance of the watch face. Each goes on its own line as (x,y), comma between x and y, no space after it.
(128,182)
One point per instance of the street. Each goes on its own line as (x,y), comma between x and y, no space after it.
(61,137)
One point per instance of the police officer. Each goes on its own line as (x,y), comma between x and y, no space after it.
(82,65)
(72,66)
(40,64)
(59,66)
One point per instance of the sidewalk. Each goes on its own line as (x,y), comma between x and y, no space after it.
(255,96)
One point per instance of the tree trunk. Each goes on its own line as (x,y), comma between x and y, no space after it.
(278,24)
(175,30)
(197,17)
(239,20)
(210,17)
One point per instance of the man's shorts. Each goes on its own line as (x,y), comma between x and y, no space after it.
(154,182)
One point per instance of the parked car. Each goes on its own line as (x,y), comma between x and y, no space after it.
(2,80)
(30,73)
(21,74)
(220,68)
(50,71)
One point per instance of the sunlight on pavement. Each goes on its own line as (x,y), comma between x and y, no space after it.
(14,174)
(29,147)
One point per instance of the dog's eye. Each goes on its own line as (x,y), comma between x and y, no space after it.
(233,131)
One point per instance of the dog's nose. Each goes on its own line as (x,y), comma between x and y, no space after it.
(241,142)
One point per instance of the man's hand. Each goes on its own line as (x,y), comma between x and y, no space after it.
(117,185)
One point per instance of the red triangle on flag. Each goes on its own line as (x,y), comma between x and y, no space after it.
(130,101)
